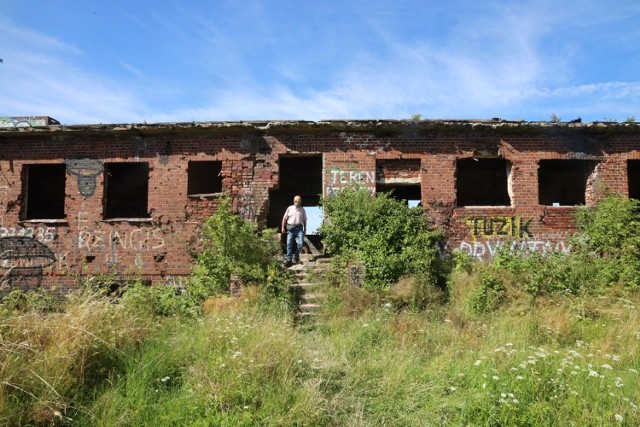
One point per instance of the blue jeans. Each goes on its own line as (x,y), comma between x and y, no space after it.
(298,234)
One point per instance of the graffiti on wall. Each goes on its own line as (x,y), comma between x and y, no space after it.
(21,122)
(3,197)
(488,235)
(341,177)
(42,234)
(136,239)
(245,204)
(487,249)
(23,259)
(86,171)
(499,226)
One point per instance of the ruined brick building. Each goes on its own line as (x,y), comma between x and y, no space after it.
(130,199)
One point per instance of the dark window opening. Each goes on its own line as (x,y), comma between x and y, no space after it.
(411,194)
(126,190)
(482,182)
(204,177)
(563,182)
(633,173)
(400,178)
(44,191)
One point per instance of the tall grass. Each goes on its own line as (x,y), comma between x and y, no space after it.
(516,342)
(543,361)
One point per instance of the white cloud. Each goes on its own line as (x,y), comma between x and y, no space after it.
(493,60)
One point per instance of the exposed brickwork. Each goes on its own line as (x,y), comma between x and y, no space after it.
(160,247)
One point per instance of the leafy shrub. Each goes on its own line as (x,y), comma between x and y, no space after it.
(611,231)
(38,300)
(160,300)
(232,246)
(604,251)
(488,295)
(390,238)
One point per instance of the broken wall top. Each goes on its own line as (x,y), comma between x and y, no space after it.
(378,127)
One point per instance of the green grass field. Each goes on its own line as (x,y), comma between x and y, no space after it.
(546,361)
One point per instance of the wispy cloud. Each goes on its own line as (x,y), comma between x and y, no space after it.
(40,78)
(512,60)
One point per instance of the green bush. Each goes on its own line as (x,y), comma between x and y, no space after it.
(605,251)
(383,233)
(611,232)
(232,246)
(160,300)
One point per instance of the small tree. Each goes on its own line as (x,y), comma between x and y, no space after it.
(231,246)
(611,231)
(390,238)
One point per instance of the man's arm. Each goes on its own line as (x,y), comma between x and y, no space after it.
(284,221)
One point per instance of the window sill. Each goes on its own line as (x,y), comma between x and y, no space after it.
(205,196)
(45,221)
(136,220)
(485,207)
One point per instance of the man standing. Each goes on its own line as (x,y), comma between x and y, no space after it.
(294,223)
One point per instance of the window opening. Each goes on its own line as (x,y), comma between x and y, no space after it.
(482,182)
(563,182)
(44,191)
(126,190)
(400,178)
(204,177)
(633,174)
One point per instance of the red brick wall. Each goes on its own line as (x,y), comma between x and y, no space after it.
(161,247)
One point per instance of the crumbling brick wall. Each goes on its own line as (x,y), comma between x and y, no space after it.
(54,252)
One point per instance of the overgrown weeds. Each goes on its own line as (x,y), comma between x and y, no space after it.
(520,341)
(388,237)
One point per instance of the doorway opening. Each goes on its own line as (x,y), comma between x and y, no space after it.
(298,175)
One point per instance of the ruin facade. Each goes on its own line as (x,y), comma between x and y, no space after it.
(130,199)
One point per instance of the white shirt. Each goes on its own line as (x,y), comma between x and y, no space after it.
(295,215)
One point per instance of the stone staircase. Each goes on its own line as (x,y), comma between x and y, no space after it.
(308,287)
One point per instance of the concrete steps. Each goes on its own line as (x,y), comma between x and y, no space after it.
(308,288)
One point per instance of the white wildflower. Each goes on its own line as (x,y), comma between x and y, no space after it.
(607,366)
(477,362)
(619,418)
(593,374)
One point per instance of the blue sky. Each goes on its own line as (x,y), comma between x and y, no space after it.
(96,61)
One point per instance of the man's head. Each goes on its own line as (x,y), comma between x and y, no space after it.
(297,201)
